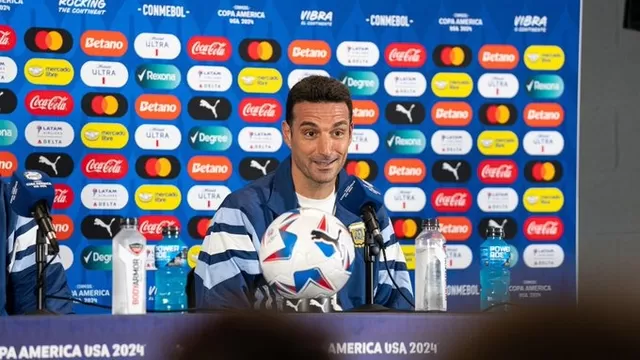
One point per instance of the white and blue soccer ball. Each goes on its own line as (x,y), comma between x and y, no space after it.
(306,253)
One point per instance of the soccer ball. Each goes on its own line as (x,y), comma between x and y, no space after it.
(306,253)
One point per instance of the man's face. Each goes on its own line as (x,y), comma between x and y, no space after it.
(319,139)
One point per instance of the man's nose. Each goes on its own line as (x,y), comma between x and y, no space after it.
(324,145)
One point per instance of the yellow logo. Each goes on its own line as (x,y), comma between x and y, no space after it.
(260,80)
(498,143)
(452,85)
(48,71)
(358,233)
(104,135)
(544,57)
(192,255)
(543,200)
(158,197)
(410,256)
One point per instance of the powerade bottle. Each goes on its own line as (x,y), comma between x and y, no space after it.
(171,274)
(495,273)
(129,258)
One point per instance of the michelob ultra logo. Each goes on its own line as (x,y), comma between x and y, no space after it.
(104,135)
(158,76)
(544,57)
(361,82)
(543,200)
(497,143)
(545,86)
(260,80)
(452,85)
(158,197)
(406,142)
(48,71)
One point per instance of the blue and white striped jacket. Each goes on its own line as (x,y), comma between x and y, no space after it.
(228,274)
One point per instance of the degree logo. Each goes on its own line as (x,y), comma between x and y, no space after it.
(104,43)
(545,87)
(48,40)
(456,56)
(498,57)
(451,113)
(48,71)
(543,115)
(498,114)
(158,197)
(452,85)
(104,104)
(260,80)
(210,138)
(158,107)
(158,76)
(498,143)
(8,164)
(543,200)
(363,168)
(104,135)
(544,57)
(543,171)
(158,167)
(309,52)
(210,168)
(405,171)
(361,83)
(260,50)
(365,112)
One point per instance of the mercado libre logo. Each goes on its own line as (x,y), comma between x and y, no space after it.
(48,40)
(48,71)
(158,76)
(104,104)
(361,83)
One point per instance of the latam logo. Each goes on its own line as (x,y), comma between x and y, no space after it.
(104,196)
(455,228)
(357,53)
(104,104)
(498,57)
(209,78)
(8,38)
(150,226)
(209,48)
(451,142)
(207,197)
(48,103)
(405,199)
(543,228)
(260,139)
(451,113)
(365,112)
(157,46)
(498,171)
(543,115)
(158,107)
(105,166)
(496,199)
(405,55)
(543,256)
(261,110)
(451,200)
(63,197)
(404,83)
(104,43)
(49,133)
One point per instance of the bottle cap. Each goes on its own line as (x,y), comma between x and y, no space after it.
(128,221)
(170,230)
(493,231)
(431,223)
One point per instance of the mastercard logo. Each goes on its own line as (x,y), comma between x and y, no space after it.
(498,114)
(406,228)
(48,40)
(260,50)
(364,169)
(543,171)
(104,105)
(198,226)
(452,56)
(158,167)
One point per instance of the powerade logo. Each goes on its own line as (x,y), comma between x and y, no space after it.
(8,133)
(361,82)
(210,138)
(545,86)
(406,142)
(158,76)
(97,257)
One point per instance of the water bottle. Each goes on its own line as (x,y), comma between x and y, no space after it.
(495,273)
(171,274)
(431,268)
(129,257)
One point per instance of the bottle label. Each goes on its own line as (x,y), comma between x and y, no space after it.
(495,256)
(170,255)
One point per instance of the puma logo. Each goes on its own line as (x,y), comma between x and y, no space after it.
(52,164)
(263,168)
(320,235)
(205,104)
(100,223)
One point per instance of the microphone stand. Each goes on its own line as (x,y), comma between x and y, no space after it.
(42,250)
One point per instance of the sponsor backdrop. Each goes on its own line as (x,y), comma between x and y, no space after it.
(158,109)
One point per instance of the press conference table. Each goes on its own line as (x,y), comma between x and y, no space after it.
(157,336)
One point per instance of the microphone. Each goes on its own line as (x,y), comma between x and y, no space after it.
(360,197)
(32,196)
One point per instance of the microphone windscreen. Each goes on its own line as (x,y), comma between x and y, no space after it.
(28,188)
(355,193)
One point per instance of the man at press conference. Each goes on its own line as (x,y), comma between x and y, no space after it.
(318,129)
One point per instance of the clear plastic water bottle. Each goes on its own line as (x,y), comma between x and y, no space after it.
(495,273)
(171,274)
(129,257)
(431,268)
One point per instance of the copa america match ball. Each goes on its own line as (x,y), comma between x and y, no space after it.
(306,253)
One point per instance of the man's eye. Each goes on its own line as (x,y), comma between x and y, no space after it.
(339,133)
(309,133)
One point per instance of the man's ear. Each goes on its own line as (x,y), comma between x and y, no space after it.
(286,133)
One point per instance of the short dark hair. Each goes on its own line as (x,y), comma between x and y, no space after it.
(317,89)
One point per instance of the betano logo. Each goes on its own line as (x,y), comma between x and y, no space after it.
(455,228)
(8,164)
(498,57)
(104,135)
(104,104)
(544,57)
(545,86)
(543,115)
(40,71)
(104,43)
(498,114)
(405,171)
(450,113)
(158,197)
(63,226)
(498,143)
(309,52)
(361,83)
(543,200)
(406,142)
(210,168)
(452,85)
(158,107)
(260,80)
(210,138)
(158,76)
(365,112)
(8,133)
(48,40)
(456,56)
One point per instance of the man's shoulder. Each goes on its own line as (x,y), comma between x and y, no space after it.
(251,197)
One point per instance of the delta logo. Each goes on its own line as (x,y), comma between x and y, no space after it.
(455,228)
(209,48)
(8,38)
(150,226)
(498,114)
(543,228)
(158,167)
(363,168)
(451,113)
(8,164)
(405,55)
(543,171)
(498,57)
(210,168)
(158,197)
(158,107)
(365,112)
(496,172)
(405,171)
(543,115)
(452,56)
(48,40)
(260,50)
(451,200)
(261,110)
(63,225)
(48,103)
(309,52)
(105,166)
(104,104)
(406,228)
(104,43)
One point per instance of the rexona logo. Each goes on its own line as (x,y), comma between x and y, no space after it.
(104,135)
(452,85)
(158,167)
(63,226)
(100,227)
(507,224)
(543,228)
(158,197)
(104,104)
(8,164)
(364,141)
(261,110)
(48,71)
(104,196)
(209,78)
(260,139)
(157,46)
(207,197)
(108,74)
(63,197)
(260,80)
(405,55)
(405,83)
(8,69)
(253,168)
(158,137)
(451,200)
(357,53)
(48,40)
(406,142)
(498,57)
(42,102)
(498,85)
(497,114)
(498,171)
(151,226)
(548,171)
(455,228)
(56,165)
(451,142)
(105,166)
(309,52)
(158,107)
(365,169)
(9,101)
(8,38)
(210,168)
(453,56)
(503,143)
(406,228)
(361,83)
(544,57)
(543,115)
(545,86)
(8,133)
(209,48)
(454,171)
(210,138)
(497,199)
(49,133)
(405,113)
(365,112)
(543,143)
(260,50)
(97,257)
(158,76)
(209,108)
(543,200)
(104,43)
(405,171)
(451,113)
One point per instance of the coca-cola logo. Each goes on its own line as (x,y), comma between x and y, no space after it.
(543,228)
(209,48)
(260,110)
(151,225)
(8,38)
(408,55)
(63,197)
(105,166)
(49,103)
(451,200)
(498,171)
